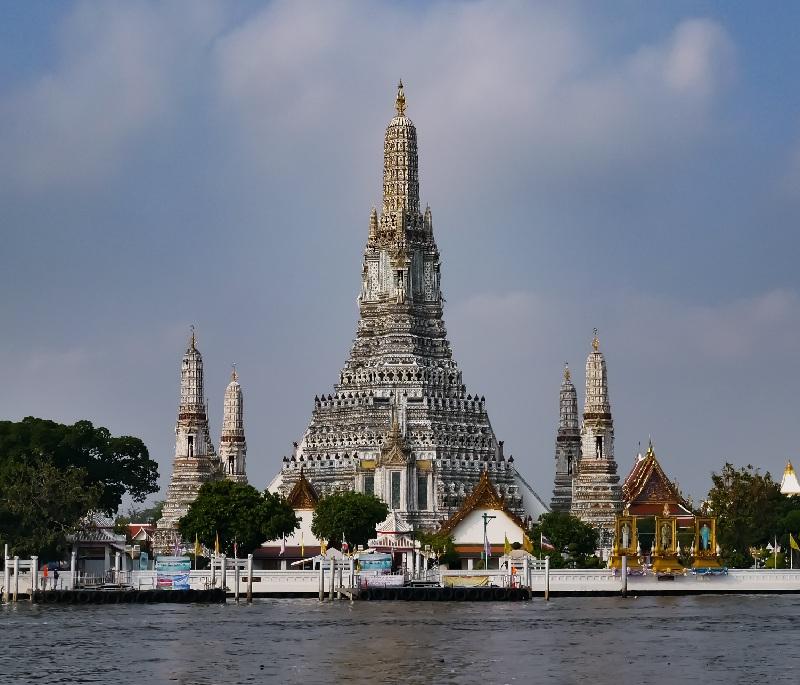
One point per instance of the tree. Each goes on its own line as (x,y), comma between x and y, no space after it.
(147,515)
(352,514)
(444,545)
(116,464)
(568,534)
(236,512)
(41,505)
(750,511)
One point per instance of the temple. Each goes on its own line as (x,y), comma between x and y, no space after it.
(400,422)
(196,460)
(596,494)
(568,445)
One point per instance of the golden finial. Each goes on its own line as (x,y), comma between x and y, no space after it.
(595,342)
(650,451)
(567,374)
(400,102)
(234,375)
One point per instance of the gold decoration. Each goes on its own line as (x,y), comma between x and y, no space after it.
(595,342)
(302,495)
(567,374)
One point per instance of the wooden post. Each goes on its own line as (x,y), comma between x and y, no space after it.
(333,576)
(16,578)
(236,579)
(340,571)
(73,569)
(6,578)
(526,572)
(547,578)
(321,581)
(213,569)
(352,575)
(34,576)
(249,578)
(624,575)
(223,573)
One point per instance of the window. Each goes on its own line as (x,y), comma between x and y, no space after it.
(369,485)
(598,446)
(422,492)
(191,446)
(395,489)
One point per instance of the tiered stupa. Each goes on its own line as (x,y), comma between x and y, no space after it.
(596,493)
(400,422)
(568,445)
(195,461)
(232,444)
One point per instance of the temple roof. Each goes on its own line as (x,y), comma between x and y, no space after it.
(303,495)
(393,523)
(647,484)
(483,496)
(789,484)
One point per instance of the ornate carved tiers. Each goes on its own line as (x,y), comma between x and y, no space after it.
(401,396)
(568,445)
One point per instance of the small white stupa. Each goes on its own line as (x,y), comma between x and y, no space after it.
(789,484)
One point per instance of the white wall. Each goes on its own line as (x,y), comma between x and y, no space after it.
(470,529)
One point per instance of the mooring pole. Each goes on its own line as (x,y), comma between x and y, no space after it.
(333,576)
(34,576)
(339,571)
(547,578)
(352,581)
(249,578)
(321,581)
(236,579)
(6,578)
(73,569)
(526,572)
(624,575)
(223,573)
(16,578)
(213,569)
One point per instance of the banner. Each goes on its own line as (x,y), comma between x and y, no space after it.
(144,561)
(172,573)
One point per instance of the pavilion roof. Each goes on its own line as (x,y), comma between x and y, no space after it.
(647,485)
(789,484)
(303,495)
(483,496)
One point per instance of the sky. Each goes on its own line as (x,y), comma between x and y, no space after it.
(628,166)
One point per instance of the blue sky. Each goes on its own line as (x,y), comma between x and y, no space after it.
(629,166)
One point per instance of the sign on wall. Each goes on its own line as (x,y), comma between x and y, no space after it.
(172,573)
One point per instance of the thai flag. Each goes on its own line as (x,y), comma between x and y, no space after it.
(546,544)
(487,549)
(283,546)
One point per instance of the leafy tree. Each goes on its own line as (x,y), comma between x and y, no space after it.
(567,533)
(237,512)
(443,544)
(41,504)
(147,515)
(750,512)
(116,464)
(352,514)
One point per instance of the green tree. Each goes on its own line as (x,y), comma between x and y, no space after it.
(352,514)
(443,544)
(750,511)
(236,512)
(134,515)
(116,464)
(568,534)
(41,505)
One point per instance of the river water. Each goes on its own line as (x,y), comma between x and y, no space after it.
(734,639)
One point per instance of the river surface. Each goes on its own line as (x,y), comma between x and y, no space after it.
(734,639)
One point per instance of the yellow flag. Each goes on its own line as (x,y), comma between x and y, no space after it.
(216,544)
(506,545)
(792,542)
(197,550)
(323,547)
(302,545)
(527,545)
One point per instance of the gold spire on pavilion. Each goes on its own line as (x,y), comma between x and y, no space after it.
(789,484)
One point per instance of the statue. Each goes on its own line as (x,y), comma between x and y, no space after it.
(665,536)
(626,534)
(705,537)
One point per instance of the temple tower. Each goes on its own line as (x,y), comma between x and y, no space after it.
(195,460)
(596,493)
(568,445)
(232,444)
(400,422)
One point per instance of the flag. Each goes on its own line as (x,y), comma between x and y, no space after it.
(197,550)
(323,547)
(527,545)
(792,542)
(544,543)
(283,546)
(302,545)
(216,544)
(345,546)
(487,549)
(235,550)
(506,545)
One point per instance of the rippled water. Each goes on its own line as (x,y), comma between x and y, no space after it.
(568,640)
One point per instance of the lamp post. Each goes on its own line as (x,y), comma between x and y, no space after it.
(486,549)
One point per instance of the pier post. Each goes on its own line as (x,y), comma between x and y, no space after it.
(321,581)
(16,578)
(73,569)
(526,572)
(333,576)
(213,569)
(624,575)
(6,578)
(34,576)
(340,572)
(236,579)
(352,579)
(223,573)
(249,578)
(547,578)
(117,567)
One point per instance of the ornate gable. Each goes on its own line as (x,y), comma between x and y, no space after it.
(303,495)
(483,496)
(648,484)
(395,450)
